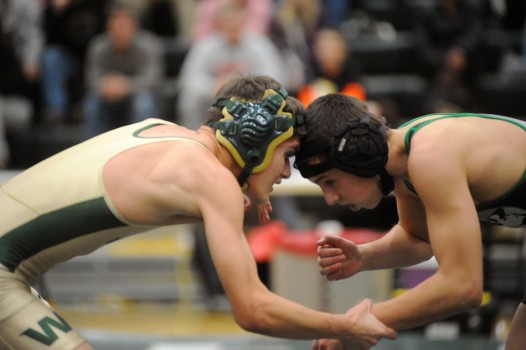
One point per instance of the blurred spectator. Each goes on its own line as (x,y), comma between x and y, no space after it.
(69,27)
(259,16)
(229,51)
(123,69)
(333,69)
(449,36)
(293,30)
(21,42)
(295,25)
(160,18)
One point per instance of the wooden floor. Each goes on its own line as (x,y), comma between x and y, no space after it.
(118,325)
(152,319)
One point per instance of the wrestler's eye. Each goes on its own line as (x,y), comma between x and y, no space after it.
(329,183)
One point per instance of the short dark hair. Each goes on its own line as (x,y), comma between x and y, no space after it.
(252,88)
(329,116)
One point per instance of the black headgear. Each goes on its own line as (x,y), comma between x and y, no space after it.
(360,150)
(251,131)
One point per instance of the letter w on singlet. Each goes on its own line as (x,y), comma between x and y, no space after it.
(47,334)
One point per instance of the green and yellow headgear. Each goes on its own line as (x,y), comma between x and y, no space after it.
(251,130)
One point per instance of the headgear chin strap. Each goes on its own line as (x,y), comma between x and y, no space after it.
(251,131)
(360,150)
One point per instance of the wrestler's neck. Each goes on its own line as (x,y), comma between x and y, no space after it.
(206,135)
(397,162)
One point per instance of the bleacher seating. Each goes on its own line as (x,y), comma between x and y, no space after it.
(391,68)
(499,93)
(381,56)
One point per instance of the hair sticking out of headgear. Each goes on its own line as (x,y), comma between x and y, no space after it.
(252,130)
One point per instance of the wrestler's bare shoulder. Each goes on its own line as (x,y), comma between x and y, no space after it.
(489,150)
(472,133)
(177,148)
(161,180)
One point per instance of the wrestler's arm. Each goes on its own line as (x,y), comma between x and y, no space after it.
(454,234)
(404,245)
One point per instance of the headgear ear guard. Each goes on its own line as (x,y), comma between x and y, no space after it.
(251,131)
(360,150)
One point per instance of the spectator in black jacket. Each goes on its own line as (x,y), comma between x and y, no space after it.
(20,50)
(448,38)
(69,27)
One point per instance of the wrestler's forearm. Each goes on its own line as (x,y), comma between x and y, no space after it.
(398,248)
